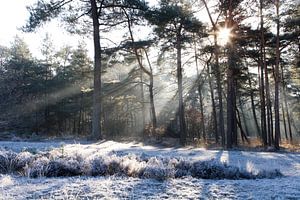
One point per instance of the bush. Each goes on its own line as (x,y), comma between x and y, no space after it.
(7,162)
(98,167)
(51,165)
(132,165)
(38,167)
(64,167)
(156,169)
(182,169)
(22,160)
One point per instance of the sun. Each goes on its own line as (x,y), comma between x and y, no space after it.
(224,35)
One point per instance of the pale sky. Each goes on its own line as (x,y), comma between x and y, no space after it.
(13,15)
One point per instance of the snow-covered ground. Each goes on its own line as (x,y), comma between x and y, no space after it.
(123,187)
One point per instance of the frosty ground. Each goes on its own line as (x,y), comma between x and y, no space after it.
(123,187)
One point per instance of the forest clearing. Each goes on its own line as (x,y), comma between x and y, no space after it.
(150,99)
(124,187)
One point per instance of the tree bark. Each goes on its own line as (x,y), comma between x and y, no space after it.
(253,106)
(239,123)
(151,93)
(96,120)
(231,87)
(284,121)
(213,105)
(262,80)
(142,101)
(220,91)
(277,81)
(182,124)
(286,107)
(202,111)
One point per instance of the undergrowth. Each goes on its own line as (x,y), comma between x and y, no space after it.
(56,165)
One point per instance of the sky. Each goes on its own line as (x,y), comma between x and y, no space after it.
(13,15)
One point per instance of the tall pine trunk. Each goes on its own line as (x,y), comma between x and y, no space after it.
(262,80)
(220,92)
(231,87)
(182,124)
(286,106)
(253,105)
(202,111)
(142,102)
(151,93)
(96,120)
(277,81)
(213,105)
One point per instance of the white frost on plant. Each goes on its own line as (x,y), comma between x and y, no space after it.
(250,167)
(133,157)
(6,180)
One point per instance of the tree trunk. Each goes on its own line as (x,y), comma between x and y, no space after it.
(287,111)
(244,117)
(269,117)
(96,120)
(182,124)
(213,104)
(262,81)
(151,92)
(220,92)
(202,112)
(149,73)
(231,87)
(253,106)
(143,101)
(239,123)
(284,121)
(230,104)
(277,81)
(218,77)
(200,85)
(80,116)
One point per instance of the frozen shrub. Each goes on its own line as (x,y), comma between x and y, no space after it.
(157,170)
(269,174)
(182,168)
(155,162)
(54,164)
(98,167)
(38,167)
(30,150)
(23,159)
(214,170)
(158,173)
(172,162)
(63,167)
(206,170)
(132,165)
(245,175)
(7,162)
(114,167)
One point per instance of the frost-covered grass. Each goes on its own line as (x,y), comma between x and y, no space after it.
(111,170)
(54,164)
